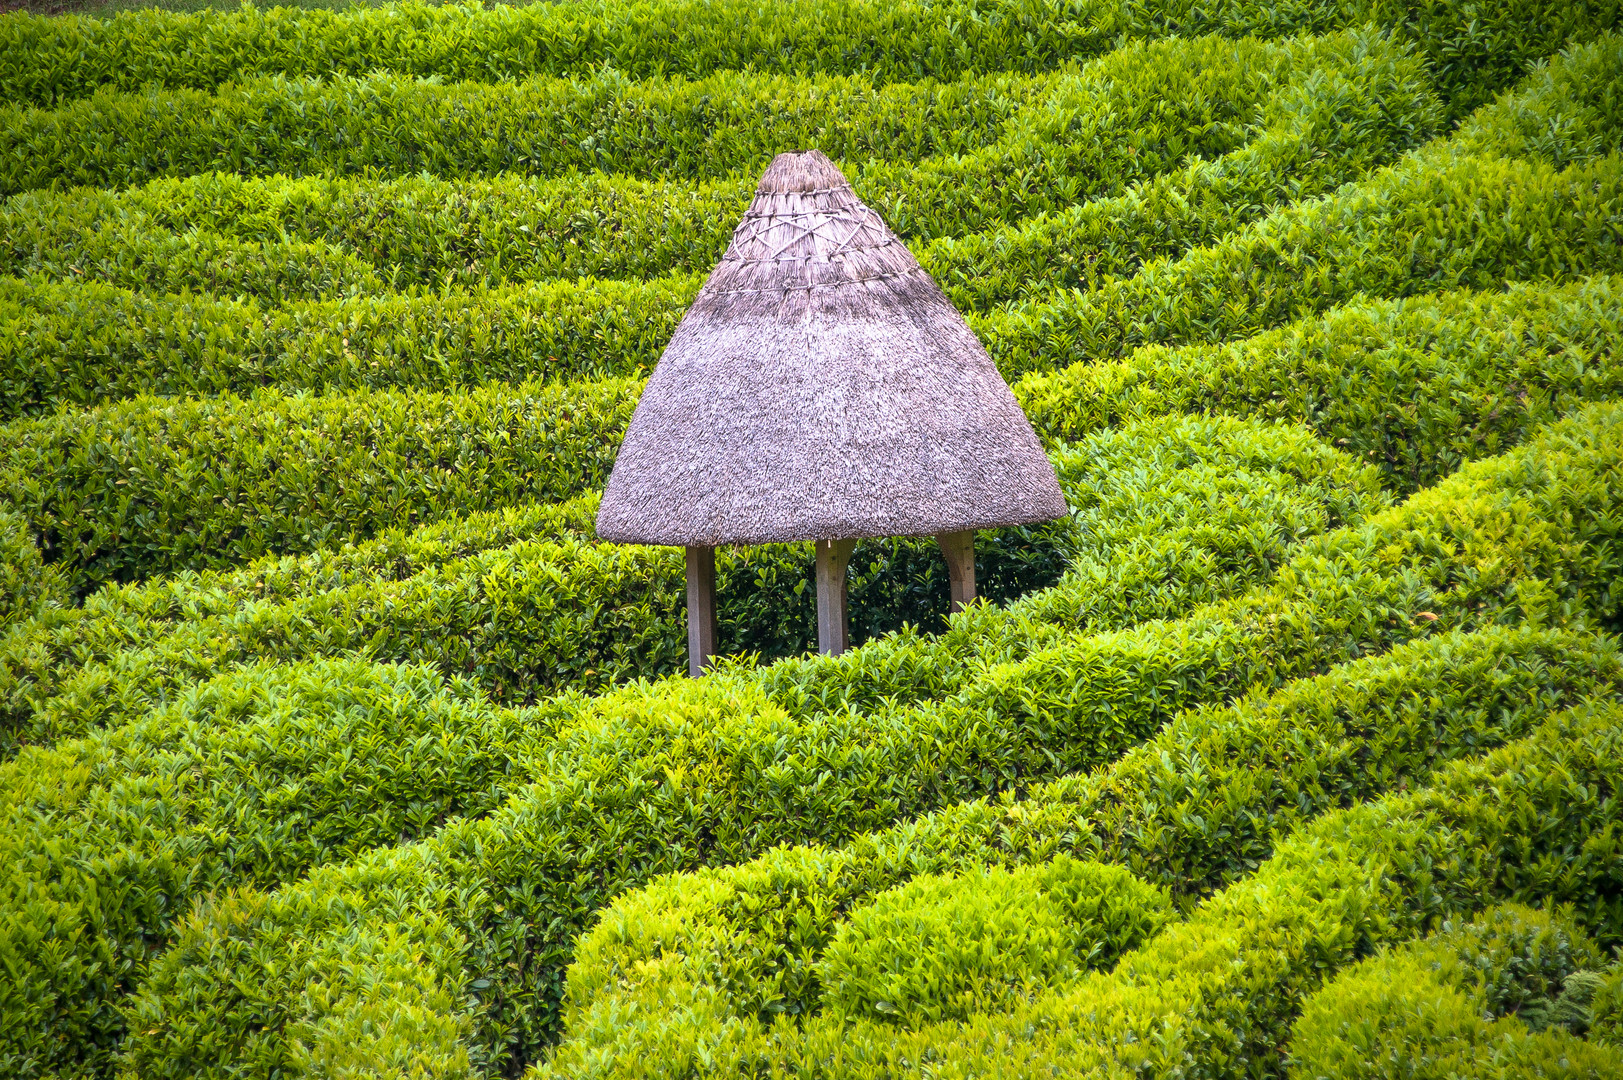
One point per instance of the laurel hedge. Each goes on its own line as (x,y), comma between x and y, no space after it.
(150,485)
(1217,993)
(79,344)
(1329,108)
(1557,224)
(401,621)
(1137,112)
(1166,515)
(1195,809)
(48,60)
(1415,386)
(1501,996)
(399,125)
(1438,220)
(65,345)
(251,778)
(439,946)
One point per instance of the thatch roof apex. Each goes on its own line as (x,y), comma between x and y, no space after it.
(822,387)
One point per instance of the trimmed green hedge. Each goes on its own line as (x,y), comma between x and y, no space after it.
(152,485)
(1538,820)
(455,946)
(63,345)
(50,59)
(1415,386)
(117,343)
(1195,809)
(1167,515)
(1438,220)
(1297,507)
(250,778)
(397,125)
(944,947)
(1329,109)
(133,255)
(67,57)
(1494,998)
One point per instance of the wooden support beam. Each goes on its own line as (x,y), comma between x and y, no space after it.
(959,548)
(701,608)
(833,628)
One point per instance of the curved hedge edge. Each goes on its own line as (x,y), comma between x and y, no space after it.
(1203,509)
(1416,386)
(1340,106)
(62,58)
(151,485)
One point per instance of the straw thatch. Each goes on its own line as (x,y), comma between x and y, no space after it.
(822,387)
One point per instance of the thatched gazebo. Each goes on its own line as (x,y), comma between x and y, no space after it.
(823,388)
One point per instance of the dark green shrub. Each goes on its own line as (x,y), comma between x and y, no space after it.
(26,582)
(68,345)
(385,124)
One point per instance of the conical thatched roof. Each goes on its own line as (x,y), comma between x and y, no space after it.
(822,387)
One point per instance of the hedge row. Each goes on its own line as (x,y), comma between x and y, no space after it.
(1334,125)
(1167,515)
(1499,997)
(452,949)
(1560,224)
(150,485)
(1415,386)
(55,58)
(77,344)
(49,59)
(394,125)
(64,345)
(1216,995)
(250,778)
(216,861)
(135,256)
(1438,220)
(1139,111)
(1329,108)
(1195,809)
(1457,360)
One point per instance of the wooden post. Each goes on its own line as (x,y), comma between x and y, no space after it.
(833,630)
(701,608)
(959,548)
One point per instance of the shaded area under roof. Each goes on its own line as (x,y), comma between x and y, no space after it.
(822,387)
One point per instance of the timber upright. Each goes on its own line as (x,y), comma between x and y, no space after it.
(821,387)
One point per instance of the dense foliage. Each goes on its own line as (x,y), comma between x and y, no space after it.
(333,742)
